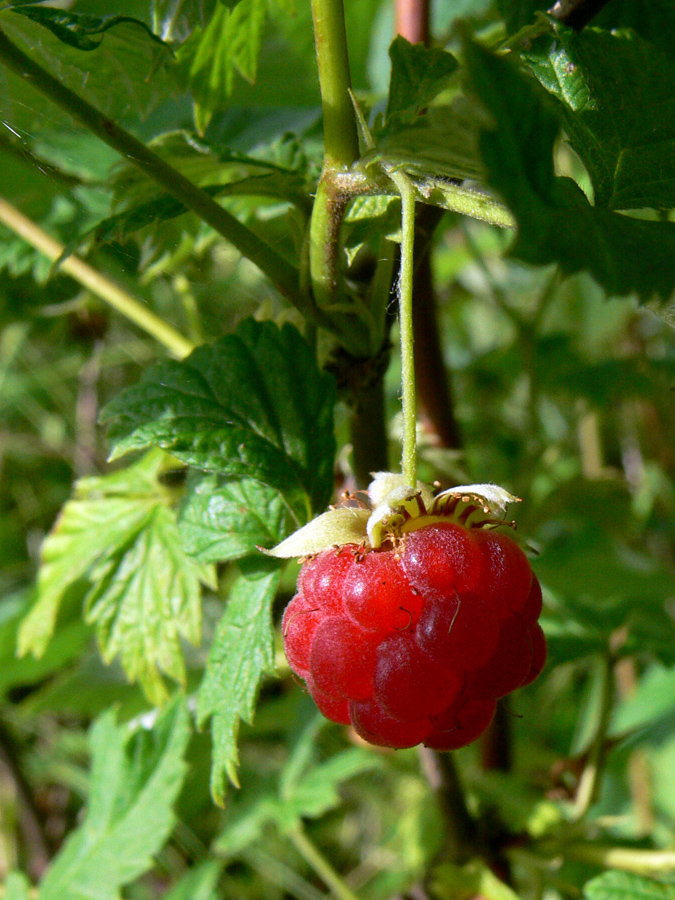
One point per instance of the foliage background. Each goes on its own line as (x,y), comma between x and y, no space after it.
(138,627)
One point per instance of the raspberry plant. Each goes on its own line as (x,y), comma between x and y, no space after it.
(220,222)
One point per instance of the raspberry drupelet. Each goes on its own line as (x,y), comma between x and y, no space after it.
(413,632)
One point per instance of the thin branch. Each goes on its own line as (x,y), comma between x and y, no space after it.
(283,275)
(412,20)
(589,783)
(318,862)
(94,281)
(29,817)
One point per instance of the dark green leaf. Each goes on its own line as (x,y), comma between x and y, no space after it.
(84,32)
(241,654)
(128,70)
(134,783)
(418,74)
(627,886)
(616,96)
(556,223)
(251,405)
(223,521)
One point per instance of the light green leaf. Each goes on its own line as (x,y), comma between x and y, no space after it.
(200,883)
(252,405)
(241,654)
(627,886)
(175,20)
(119,533)
(209,58)
(16,887)
(653,700)
(134,783)
(223,521)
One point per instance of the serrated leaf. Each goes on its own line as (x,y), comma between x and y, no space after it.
(230,42)
(556,223)
(119,533)
(252,405)
(418,74)
(224,521)
(241,654)
(627,886)
(127,70)
(616,96)
(135,780)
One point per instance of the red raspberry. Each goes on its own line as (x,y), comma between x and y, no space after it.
(415,641)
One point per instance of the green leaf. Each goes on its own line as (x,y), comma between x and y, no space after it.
(627,886)
(224,521)
(127,70)
(467,882)
(418,74)
(616,96)
(16,887)
(653,701)
(200,883)
(241,654)
(84,32)
(119,532)
(625,255)
(209,58)
(135,781)
(251,405)
(174,20)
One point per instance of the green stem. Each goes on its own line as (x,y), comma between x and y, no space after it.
(341,140)
(320,864)
(589,783)
(405,294)
(629,859)
(279,270)
(95,282)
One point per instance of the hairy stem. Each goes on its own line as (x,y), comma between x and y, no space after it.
(318,862)
(283,275)
(405,294)
(369,432)
(97,283)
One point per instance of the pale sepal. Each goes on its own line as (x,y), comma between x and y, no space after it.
(495,499)
(346,525)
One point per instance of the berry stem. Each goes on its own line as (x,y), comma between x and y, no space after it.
(311,854)
(405,298)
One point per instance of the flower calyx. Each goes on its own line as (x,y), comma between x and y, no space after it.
(391,508)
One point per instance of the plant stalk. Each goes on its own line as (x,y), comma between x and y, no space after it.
(95,282)
(314,858)
(282,274)
(589,783)
(341,140)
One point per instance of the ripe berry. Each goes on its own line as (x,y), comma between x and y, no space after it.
(415,633)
